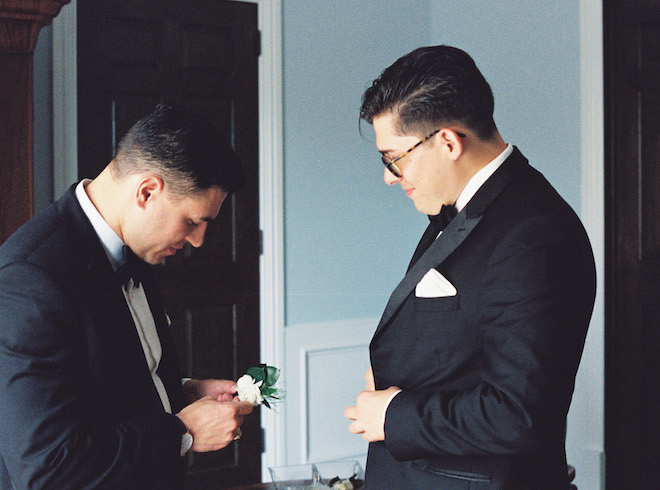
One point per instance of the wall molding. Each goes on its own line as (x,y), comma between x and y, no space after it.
(311,348)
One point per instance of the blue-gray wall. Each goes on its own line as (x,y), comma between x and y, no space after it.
(348,236)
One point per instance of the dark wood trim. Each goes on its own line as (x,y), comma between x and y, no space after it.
(20,22)
(632,243)
(15,142)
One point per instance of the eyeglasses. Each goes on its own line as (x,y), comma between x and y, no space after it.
(391,164)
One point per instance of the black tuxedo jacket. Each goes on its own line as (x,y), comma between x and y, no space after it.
(487,374)
(78,407)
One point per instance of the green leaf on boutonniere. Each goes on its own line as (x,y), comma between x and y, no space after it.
(269,375)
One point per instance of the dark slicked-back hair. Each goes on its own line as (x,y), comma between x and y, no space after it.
(183,149)
(429,88)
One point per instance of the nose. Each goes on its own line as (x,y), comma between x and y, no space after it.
(196,237)
(390,178)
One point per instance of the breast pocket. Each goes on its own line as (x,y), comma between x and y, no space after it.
(446,303)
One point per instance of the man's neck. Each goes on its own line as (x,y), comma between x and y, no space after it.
(104,193)
(481,153)
(476,155)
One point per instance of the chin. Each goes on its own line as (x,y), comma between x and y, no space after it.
(153,260)
(426,210)
(429,208)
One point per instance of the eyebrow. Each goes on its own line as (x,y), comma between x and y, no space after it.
(208,219)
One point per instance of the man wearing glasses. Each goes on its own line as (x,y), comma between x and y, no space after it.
(474,360)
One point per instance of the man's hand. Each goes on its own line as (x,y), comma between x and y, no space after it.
(369,414)
(369,380)
(222,390)
(212,423)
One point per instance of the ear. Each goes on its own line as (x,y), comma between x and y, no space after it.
(451,142)
(149,187)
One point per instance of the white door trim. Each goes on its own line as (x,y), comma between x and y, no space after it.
(271,216)
(65,100)
(586,417)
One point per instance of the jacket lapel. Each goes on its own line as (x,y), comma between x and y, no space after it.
(454,234)
(90,251)
(457,231)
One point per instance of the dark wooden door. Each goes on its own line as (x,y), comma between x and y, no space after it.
(632,364)
(203,53)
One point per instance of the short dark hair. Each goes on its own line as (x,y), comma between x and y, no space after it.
(431,87)
(183,149)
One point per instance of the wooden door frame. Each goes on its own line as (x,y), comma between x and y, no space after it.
(271,202)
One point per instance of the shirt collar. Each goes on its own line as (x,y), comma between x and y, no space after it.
(480,177)
(111,242)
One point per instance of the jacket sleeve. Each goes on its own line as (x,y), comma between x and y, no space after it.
(52,435)
(535,302)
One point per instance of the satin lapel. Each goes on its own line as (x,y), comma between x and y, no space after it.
(168,370)
(457,231)
(90,249)
(428,238)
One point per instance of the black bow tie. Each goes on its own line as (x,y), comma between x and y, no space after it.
(442,219)
(132,267)
(438,224)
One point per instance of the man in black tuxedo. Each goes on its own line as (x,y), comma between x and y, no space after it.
(90,391)
(473,362)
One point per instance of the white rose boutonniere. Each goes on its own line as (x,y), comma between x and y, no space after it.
(248,390)
(257,385)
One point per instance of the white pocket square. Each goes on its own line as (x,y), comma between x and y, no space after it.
(434,285)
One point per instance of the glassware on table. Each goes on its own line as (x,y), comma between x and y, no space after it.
(296,477)
(318,475)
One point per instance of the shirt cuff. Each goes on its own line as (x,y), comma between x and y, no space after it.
(186,443)
(388,404)
(186,437)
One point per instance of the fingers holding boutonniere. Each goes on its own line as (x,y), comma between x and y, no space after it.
(213,424)
(221,389)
